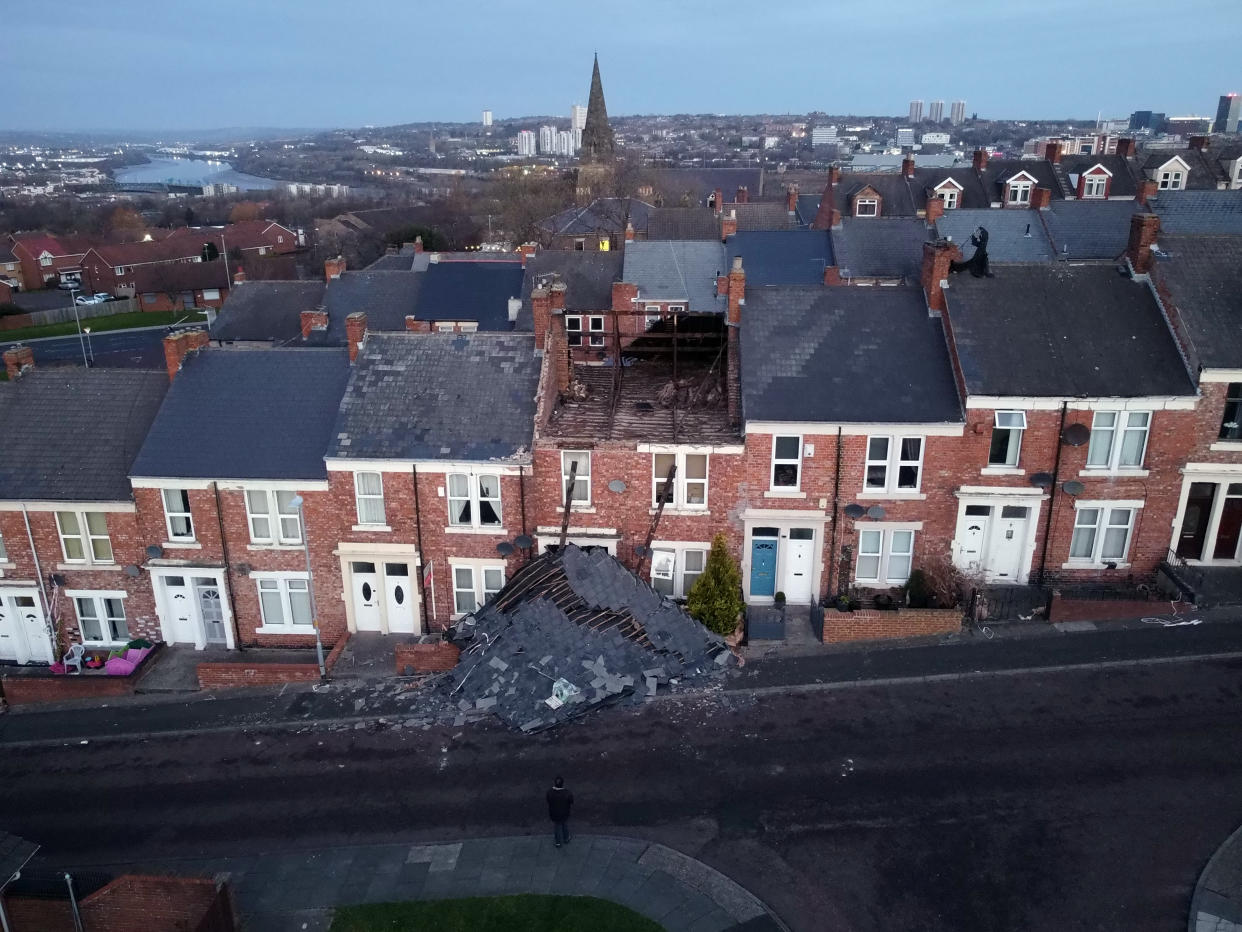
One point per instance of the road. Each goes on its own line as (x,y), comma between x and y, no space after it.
(140,347)
(1084,799)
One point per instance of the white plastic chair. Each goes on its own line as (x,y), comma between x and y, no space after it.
(73,657)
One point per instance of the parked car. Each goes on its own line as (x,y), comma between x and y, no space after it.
(69,285)
(91,299)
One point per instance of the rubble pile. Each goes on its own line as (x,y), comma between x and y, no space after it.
(570,631)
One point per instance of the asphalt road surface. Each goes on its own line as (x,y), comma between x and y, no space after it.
(1074,800)
(138,348)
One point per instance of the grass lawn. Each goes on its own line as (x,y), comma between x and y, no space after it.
(525,913)
(100,324)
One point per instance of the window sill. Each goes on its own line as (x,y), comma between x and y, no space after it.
(1002,471)
(285,629)
(1085,565)
(97,567)
(683,512)
(378,528)
(5,565)
(462,529)
(1226,446)
(274,547)
(893,496)
(576,510)
(1125,472)
(183,545)
(792,493)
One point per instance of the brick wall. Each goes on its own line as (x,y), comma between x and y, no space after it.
(133,903)
(225,675)
(840,627)
(431,656)
(30,690)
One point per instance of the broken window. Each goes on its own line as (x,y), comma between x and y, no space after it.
(786,462)
(675,569)
(596,325)
(573,327)
(689,484)
(581,492)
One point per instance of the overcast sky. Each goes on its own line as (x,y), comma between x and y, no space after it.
(174,64)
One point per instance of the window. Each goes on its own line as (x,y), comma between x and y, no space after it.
(581,492)
(369,496)
(101,619)
(689,484)
(866,207)
(84,537)
(949,196)
(675,571)
(1101,534)
(1094,186)
(579,245)
(284,602)
(597,330)
(1231,423)
(211,294)
(652,312)
(1170,181)
(676,308)
(177,516)
(45,260)
(474,501)
(4,554)
(786,462)
(893,457)
(1118,439)
(573,327)
(1007,438)
(268,509)
(884,556)
(474,586)
(1020,192)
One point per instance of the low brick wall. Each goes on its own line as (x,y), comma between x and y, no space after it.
(26,690)
(1102,609)
(426,656)
(228,674)
(870,625)
(133,903)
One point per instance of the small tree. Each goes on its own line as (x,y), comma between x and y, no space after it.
(716,596)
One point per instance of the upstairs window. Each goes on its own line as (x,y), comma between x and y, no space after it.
(1171,181)
(474,501)
(1231,423)
(4,554)
(689,483)
(866,207)
(369,497)
(595,327)
(1118,440)
(1007,438)
(1094,186)
(786,463)
(894,464)
(651,315)
(1020,192)
(177,517)
(84,537)
(273,517)
(581,489)
(949,196)
(573,329)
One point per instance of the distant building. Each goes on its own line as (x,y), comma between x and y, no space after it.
(577,117)
(935,139)
(824,136)
(936,111)
(1227,113)
(957,114)
(547,139)
(1147,119)
(217,189)
(1188,125)
(563,144)
(905,136)
(487,118)
(302,189)
(526,141)
(916,111)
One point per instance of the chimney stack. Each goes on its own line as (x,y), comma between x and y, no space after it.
(737,291)
(907,167)
(718,200)
(1052,152)
(1144,229)
(418,244)
(1125,148)
(239,277)
(313,320)
(558,296)
(728,225)
(1199,142)
(935,209)
(980,161)
(1041,198)
(355,333)
(791,198)
(541,315)
(17,360)
(629,232)
(937,258)
(332,268)
(558,350)
(414,325)
(179,345)
(743,195)
(1146,191)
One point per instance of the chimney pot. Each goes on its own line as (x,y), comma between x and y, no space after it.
(629,232)
(332,268)
(239,277)
(418,244)
(355,333)
(743,195)
(718,200)
(907,167)
(791,198)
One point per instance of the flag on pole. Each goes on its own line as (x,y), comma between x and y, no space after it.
(427,574)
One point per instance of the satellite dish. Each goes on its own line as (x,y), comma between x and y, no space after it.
(1073,487)
(640,550)
(855,511)
(875,512)
(616,485)
(525,541)
(1075,435)
(154,552)
(132,570)
(504,548)
(1042,479)
(243,569)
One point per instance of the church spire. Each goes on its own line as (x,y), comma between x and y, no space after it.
(597,141)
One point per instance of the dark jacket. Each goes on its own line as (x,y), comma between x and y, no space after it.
(559,803)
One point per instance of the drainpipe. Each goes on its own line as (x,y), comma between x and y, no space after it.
(418,536)
(835,565)
(1052,494)
(228,573)
(47,605)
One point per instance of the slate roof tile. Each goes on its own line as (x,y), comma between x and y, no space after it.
(1200,211)
(1090,229)
(477,291)
(1203,275)
(880,247)
(677,270)
(786,257)
(1013,235)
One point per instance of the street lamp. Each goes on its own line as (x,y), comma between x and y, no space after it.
(87,331)
(297,502)
(73,302)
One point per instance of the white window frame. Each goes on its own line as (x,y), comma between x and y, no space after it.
(949,196)
(4,554)
(369,498)
(475,498)
(653,315)
(867,207)
(105,620)
(681,481)
(892,463)
(1013,423)
(573,329)
(279,583)
(579,480)
(887,539)
(668,562)
(796,462)
(1094,186)
(85,537)
(676,309)
(1231,414)
(1171,180)
(211,294)
(595,330)
(1120,427)
(1104,520)
(1019,192)
(276,519)
(478,588)
(173,512)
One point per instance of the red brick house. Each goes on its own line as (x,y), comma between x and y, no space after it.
(181,285)
(46,260)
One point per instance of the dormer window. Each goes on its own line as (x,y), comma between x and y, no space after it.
(949,196)
(1020,192)
(1094,186)
(866,207)
(1171,180)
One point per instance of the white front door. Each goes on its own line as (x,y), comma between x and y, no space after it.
(182,620)
(1007,545)
(24,637)
(366,596)
(972,534)
(210,609)
(399,594)
(799,559)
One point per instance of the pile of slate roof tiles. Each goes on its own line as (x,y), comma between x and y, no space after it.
(573,630)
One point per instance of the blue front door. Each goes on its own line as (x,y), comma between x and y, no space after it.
(762,566)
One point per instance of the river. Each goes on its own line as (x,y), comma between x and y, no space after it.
(165,170)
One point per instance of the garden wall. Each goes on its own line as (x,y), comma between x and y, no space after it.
(430,655)
(868,625)
(227,674)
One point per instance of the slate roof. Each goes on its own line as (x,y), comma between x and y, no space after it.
(588,276)
(247,414)
(1125,172)
(784,257)
(764,215)
(478,291)
(998,171)
(1063,330)
(808,207)
(1089,229)
(14,853)
(1013,235)
(973,194)
(396,262)
(386,297)
(899,197)
(71,434)
(1199,211)
(698,223)
(1204,277)
(439,396)
(697,184)
(880,247)
(1205,171)
(603,215)
(266,311)
(676,270)
(854,355)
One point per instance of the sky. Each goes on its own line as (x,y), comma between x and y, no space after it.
(178,65)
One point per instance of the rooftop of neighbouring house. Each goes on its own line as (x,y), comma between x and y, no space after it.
(1013,235)
(785,257)
(683,223)
(247,414)
(1063,330)
(475,291)
(1199,211)
(262,312)
(1090,229)
(855,355)
(880,247)
(587,275)
(71,434)
(439,396)
(677,271)
(1203,275)
(603,215)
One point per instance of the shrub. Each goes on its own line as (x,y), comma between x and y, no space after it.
(716,597)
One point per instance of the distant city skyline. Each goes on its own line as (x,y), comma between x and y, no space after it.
(277,65)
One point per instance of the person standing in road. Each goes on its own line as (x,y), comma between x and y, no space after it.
(560,801)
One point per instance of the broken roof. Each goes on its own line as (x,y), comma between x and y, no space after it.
(677,271)
(579,617)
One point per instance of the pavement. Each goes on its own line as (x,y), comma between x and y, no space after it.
(1217,902)
(296,891)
